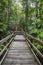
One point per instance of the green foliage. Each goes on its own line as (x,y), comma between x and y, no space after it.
(39,47)
(4,31)
(1,47)
(27,15)
(34,26)
(41,35)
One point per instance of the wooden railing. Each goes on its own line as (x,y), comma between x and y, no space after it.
(33,47)
(5,42)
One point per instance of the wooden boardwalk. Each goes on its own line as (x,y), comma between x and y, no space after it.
(19,53)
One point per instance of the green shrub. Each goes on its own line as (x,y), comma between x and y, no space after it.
(1,47)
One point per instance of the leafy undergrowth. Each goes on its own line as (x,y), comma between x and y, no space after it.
(1,47)
(39,47)
(37,33)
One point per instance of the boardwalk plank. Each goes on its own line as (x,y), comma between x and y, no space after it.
(19,53)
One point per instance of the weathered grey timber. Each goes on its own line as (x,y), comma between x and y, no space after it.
(20,53)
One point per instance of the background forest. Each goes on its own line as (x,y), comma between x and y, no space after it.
(27,14)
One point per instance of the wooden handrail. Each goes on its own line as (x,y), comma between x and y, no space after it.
(28,38)
(33,38)
(5,39)
(36,39)
(39,53)
(10,38)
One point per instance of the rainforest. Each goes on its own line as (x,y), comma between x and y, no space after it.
(26,15)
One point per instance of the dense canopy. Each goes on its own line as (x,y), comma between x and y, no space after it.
(23,14)
(27,14)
